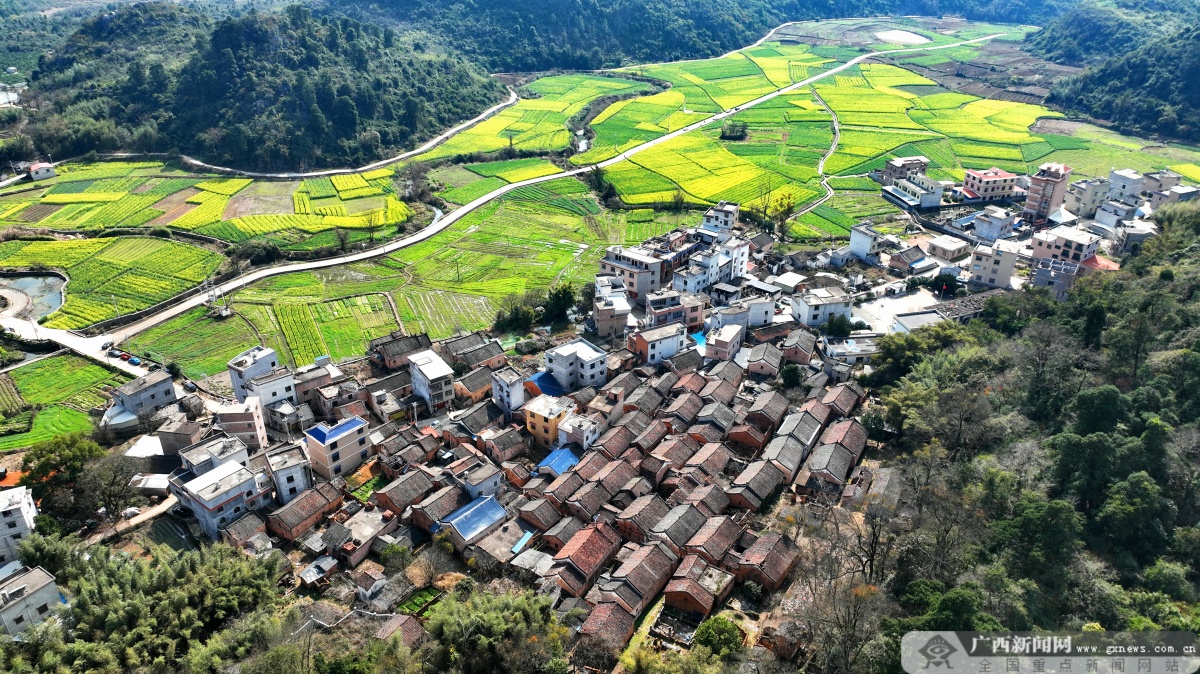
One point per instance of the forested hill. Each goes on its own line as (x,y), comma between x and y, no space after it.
(264,91)
(1143,59)
(531,35)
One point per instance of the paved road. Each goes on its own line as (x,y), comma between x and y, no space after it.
(121,526)
(91,345)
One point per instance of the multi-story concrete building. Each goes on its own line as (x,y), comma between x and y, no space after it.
(815,307)
(901,168)
(26,599)
(1065,243)
(508,390)
(339,449)
(272,388)
(1156,181)
(992,265)
(289,469)
(991,184)
(994,223)
(639,268)
(17,511)
(543,415)
(610,308)
(866,243)
(1085,196)
(1125,183)
(146,394)
(720,263)
(253,362)
(1047,190)
(671,306)
(1057,275)
(577,364)
(916,192)
(244,420)
(723,343)
(721,217)
(947,247)
(432,380)
(658,344)
(220,495)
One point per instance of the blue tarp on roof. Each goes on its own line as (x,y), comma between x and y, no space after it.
(559,461)
(547,384)
(516,548)
(324,434)
(475,517)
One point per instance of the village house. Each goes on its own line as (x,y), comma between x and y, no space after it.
(799,346)
(392,352)
(580,561)
(697,587)
(658,344)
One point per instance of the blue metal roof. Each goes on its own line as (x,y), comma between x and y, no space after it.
(473,518)
(547,384)
(325,434)
(516,548)
(559,461)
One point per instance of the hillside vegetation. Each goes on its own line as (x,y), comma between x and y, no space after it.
(524,35)
(260,91)
(1142,59)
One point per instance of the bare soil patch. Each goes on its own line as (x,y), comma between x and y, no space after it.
(37,212)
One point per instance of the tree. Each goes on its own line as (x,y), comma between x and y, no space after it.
(1098,410)
(53,467)
(1083,467)
(719,635)
(1136,520)
(838,326)
(791,375)
(560,299)
(587,295)
(493,633)
(106,483)
(1041,536)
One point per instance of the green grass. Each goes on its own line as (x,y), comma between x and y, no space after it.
(363,493)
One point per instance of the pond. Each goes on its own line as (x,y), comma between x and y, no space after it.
(45,291)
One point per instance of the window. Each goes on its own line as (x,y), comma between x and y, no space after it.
(18,620)
(291,479)
(249,494)
(287,388)
(12,525)
(292,490)
(362,454)
(337,470)
(237,509)
(337,456)
(42,609)
(362,441)
(333,445)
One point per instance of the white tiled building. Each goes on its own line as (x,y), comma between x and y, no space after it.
(577,364)
(17,511)
(815,307)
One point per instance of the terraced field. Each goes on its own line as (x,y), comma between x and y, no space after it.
(538,122)
(51,397)
(112,276)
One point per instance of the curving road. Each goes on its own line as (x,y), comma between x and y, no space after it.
(91,345)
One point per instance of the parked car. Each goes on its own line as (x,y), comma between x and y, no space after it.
(125,356)
(154,366)
(189,387)
(135,361)
(107,345)
(113,353)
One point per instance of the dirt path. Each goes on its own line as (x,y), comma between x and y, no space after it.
(837,136)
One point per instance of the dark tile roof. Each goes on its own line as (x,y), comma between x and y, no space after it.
(772,406)
(715,537)
(564,485)
(407,489)
(591,547)
(590,464)
(590,498)
(462,344)
(710,499)
(685,407)
(717,414)
(712,458)
(705,433)
(306,504)
(761,478)
(411,632)
(773,554)
(832,461)
(664,382)
(636,421)
(564,529)
(848,433)
(787,453)
(482,353)
(645,511)
(442,502)
(610,622)
(844,397)
(476,380)
(400,346)
(727,370)
(645,398)
(479,416)
(693,381)
(540,513)
(401,379)
(765,353)
(680,524)
(615,441)
(650,437)
(688,361)
(615,475)
(819,410)
(719,390)
(802,426)
(801,339)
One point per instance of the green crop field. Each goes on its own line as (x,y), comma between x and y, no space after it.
(71,380)
(111,276)
(200,344)
(538,122)
(48,423)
